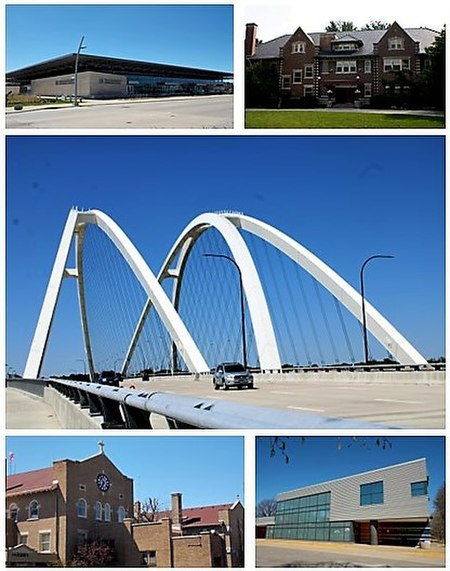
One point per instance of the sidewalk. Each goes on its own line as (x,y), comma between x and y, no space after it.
(26,411)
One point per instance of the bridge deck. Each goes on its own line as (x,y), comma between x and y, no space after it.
(24,410)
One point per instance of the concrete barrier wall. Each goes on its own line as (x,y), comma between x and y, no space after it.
(69,414)
(32,386)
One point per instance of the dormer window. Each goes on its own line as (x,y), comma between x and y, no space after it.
(298,48)
(396,43)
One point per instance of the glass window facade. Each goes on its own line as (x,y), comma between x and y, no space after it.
(159,86)
(419,488)
(371,494)
(308,517)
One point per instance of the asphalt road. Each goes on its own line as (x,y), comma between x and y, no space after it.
(399,404)
(278,553)
(207,112)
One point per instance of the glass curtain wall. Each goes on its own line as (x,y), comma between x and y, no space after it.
(308,517)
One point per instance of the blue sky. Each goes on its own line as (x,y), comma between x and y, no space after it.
(319,459)
(159,465)
(195,36)
(344,198)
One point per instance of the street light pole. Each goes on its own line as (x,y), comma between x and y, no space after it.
(363,303)
(77,57)
(241,292)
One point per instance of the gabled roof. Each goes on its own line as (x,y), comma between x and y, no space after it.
(424,36)
(29,482)
(197,517)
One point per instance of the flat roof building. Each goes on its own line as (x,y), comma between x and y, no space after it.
(384,506)
(101,77)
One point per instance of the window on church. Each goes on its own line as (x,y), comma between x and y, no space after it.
(44,541)
(82,537)
(121,514)
(107,512)
(14,512)
(149,558)
(33,510)
(82,508)
(98,511)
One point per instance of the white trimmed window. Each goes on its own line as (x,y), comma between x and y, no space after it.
(367,90)
(309,71)
(98,511)
(82,508)
(121,514)
(107,512)
(346,66)
(297,76)
(298,47)
(367,66)
(285,82)
(23,538)
(395,64)
(396,43)
(44,541)
(33,510)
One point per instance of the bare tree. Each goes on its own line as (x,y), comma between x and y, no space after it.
(278,444)
(266,508)
(150,507)
(94,554)
(438,521)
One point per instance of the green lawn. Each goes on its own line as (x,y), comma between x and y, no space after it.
(338,120)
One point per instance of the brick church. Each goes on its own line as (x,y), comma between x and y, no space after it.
(52,511)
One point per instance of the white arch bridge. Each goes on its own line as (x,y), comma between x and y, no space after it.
(229,226)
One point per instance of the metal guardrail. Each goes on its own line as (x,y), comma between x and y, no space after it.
(132,408)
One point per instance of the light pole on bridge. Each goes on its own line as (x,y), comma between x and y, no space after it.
(363,302)
(241,293)
(77,57)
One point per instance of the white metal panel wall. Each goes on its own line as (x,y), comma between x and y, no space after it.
(398,502)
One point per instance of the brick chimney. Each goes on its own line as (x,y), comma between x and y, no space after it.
(177,510)
(250,39)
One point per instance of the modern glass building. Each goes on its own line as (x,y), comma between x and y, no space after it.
(386,506)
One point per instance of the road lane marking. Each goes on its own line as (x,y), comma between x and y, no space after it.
(304,408)
(402,401)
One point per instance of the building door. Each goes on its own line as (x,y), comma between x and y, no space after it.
(373,533)
(344,95)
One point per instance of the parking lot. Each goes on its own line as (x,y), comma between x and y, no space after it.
(282,553)
(206,112)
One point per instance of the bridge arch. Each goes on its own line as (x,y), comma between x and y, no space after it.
(174,325)
(228,224)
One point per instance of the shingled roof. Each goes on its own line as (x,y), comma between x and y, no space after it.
(271,49)
(30,482)
(197,517)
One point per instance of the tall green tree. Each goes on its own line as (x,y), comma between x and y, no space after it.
(261,85)
(340,26)
(375,25)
